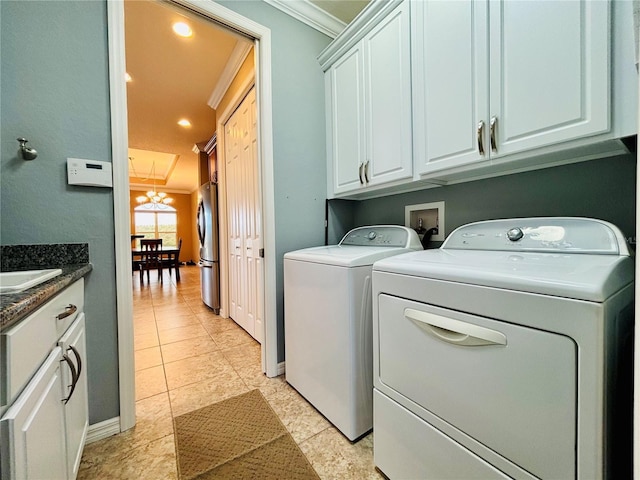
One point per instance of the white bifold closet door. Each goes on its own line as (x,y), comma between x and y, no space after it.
(246,278)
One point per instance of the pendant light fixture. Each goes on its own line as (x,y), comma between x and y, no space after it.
(154,200)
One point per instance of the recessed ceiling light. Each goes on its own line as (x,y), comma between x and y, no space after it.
(184,123)
(127,77)
(182,29)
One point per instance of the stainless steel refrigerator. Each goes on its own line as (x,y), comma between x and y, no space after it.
(207,224)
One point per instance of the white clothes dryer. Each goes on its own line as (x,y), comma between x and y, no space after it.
(506,353)
(328,319)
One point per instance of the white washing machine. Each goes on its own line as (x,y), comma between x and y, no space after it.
(506,353)
(328,322)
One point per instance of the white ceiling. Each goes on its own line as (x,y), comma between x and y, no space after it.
(173,78)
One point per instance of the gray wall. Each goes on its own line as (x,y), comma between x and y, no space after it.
(603,189)
(55,92)
(341,219)
(299,151)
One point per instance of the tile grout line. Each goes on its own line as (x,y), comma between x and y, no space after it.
(166,392)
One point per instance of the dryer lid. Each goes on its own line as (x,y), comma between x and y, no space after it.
(544,234)
(571,258)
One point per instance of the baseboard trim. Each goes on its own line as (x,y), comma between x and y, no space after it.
(281,368)
(101,430)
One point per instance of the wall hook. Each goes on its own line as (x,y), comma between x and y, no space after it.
(27,153)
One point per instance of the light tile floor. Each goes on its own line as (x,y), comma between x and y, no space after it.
(186,358)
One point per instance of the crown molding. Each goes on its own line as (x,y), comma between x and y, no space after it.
(232,67)
(211,144)
(309,14)
(206,146)
(364,22)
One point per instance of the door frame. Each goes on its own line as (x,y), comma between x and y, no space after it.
(119,144)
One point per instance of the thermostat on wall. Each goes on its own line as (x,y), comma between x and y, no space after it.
(91,173)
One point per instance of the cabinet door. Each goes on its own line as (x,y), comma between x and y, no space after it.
(347,120)
(73,345)
(388,99)
(32,429)
(450,87)
(549,72)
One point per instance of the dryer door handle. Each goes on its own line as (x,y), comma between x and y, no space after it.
(454,331)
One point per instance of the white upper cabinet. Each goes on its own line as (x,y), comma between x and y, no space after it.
(549,71)
(346,84)
(433,92)
(368,88)
(494,78)
(450,87)
(388,99)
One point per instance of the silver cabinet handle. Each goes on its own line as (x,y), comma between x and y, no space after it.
(360,168)
(480,135)
(68,311)
(78,360)
(455,331)
(492,129)
(366,171)
(75,374)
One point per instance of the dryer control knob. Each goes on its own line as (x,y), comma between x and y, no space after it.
(372,235)
(515,234)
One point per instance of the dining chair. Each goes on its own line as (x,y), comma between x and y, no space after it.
(173,261)
(151,257)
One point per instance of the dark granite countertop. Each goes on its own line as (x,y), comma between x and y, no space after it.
(16,306)
(72,258)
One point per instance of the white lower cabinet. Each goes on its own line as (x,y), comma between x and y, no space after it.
(45,413)
(33,430)
(76,404)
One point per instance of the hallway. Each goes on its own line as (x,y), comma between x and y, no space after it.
(187,358)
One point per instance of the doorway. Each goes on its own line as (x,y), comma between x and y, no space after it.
(221,15)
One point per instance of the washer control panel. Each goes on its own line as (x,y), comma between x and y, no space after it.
(381,236)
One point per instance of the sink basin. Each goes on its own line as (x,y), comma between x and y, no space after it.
(14,282)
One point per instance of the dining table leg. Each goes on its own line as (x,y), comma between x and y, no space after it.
(176,264)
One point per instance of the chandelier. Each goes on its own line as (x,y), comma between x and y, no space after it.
(155,197)
(154,200)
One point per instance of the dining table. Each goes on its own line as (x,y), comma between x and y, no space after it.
(135,237)
(168,254)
